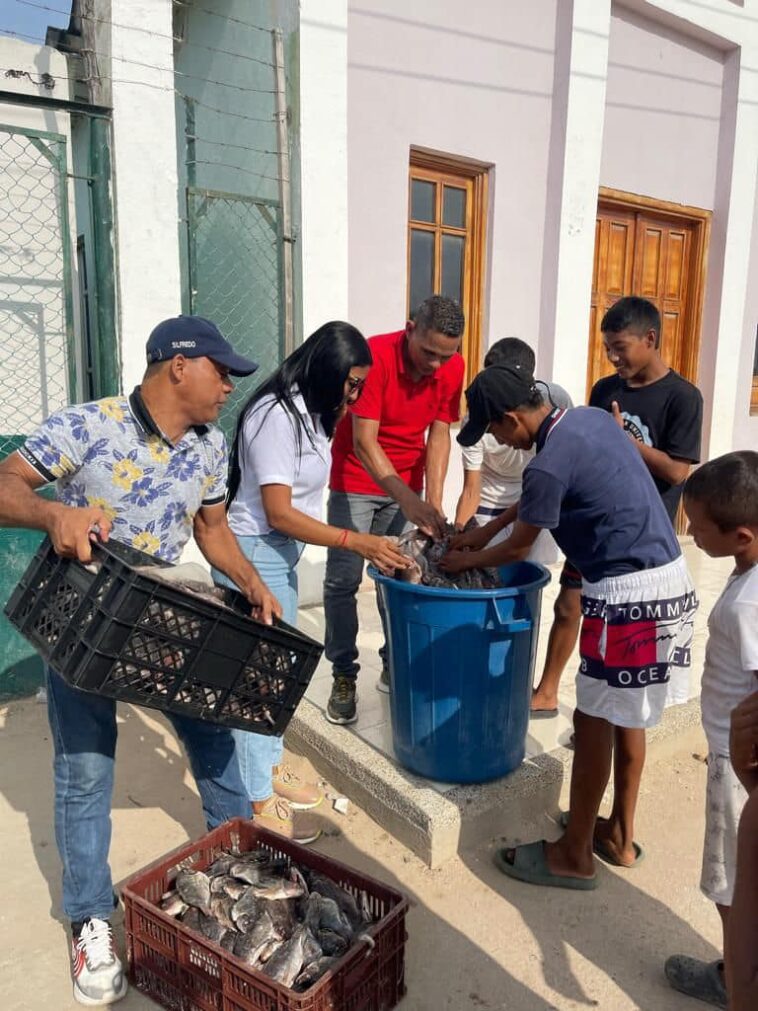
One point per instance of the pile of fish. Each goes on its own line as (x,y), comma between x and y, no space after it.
(188,576)
(425,554)
(290,923)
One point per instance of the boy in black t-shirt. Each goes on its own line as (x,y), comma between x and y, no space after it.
(659,409)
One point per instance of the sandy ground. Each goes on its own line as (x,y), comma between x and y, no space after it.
(476,939)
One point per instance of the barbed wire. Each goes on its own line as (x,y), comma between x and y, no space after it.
(22,35)
(159,87)
(215,14)
(181,73)
(238,147)
(238,168)
(163,35)
(226,112)
(93,77)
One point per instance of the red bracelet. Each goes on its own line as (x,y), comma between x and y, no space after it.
(342,539)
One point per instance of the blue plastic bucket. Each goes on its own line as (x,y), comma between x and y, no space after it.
(461,665)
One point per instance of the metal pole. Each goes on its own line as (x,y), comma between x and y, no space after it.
(285,192)
(103,261)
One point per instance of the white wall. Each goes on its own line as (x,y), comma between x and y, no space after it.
(144,165)
(323,146)
(324,172)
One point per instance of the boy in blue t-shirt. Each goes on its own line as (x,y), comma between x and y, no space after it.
(662,413)
(590,487)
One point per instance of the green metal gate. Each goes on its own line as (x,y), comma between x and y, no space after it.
(235,275)
(37,362)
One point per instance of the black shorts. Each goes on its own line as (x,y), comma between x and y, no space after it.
(571,577)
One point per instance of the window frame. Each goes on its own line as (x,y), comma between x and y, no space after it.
(473,176)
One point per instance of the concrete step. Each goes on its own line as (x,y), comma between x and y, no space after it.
(437,825)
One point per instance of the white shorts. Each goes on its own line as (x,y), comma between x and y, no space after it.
(725,798)
(636,645)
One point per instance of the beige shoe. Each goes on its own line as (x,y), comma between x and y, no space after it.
(301,795)
(277,816)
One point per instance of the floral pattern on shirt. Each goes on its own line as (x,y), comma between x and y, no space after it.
(99,454)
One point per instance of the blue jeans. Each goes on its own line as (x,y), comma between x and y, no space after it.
(275,556)
(344,570)
(84,741)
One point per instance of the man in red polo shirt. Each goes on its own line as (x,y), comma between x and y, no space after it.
(381,460)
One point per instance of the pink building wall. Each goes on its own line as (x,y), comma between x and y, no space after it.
(663,109)
(746,425)
(488,86)
(460,79)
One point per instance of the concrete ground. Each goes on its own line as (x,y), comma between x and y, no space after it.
(476,940)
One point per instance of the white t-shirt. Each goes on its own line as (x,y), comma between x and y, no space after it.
(269,454)
(501,470)
(501,466)
(731,656)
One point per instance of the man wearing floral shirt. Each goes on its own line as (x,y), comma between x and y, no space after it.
(150,470)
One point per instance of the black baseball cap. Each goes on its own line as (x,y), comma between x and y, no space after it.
(195,337)
(495,391)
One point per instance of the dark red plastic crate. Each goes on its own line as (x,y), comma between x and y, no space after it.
(183,971)
(118,633)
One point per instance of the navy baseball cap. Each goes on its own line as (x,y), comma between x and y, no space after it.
(495,391)
(195,337)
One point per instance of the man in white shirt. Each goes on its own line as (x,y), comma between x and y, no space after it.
(492,472)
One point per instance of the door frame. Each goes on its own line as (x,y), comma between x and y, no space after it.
(700,220)
(478,172)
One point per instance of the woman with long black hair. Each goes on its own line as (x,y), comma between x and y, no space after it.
(279,468)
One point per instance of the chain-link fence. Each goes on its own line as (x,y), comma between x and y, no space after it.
(235,279)
(35,281)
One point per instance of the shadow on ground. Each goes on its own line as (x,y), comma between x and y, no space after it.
(148,776)
(620,928)
(591,947)
(149,779)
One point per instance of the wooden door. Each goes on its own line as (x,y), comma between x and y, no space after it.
(655,250)
(641,253)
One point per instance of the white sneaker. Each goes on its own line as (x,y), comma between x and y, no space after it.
(99,977)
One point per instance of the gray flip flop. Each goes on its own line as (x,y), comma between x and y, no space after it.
(542,714)
(698,979)
(530,865)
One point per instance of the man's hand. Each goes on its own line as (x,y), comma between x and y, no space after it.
(265,605)
(73,530)
(426,517)
(474,540)
(616,412)
(743,741)
(458,561)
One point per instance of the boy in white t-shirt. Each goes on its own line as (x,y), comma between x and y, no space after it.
(721,501)
(492,471)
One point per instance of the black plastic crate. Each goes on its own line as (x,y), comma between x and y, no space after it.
(118,633)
